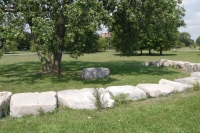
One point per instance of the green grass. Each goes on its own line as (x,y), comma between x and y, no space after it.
(174,113)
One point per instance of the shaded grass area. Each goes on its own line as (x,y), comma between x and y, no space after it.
(22,77)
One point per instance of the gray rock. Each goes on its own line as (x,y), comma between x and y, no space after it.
(84,98)
(93,73)
(195,74)
(188,80)
(179,87)
(32,103)
(155,90)
(132,92)
(4,98)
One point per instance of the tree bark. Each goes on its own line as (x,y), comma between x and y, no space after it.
(161,52)
(149,51)
(141,51)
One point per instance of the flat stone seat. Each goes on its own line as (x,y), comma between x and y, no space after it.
(4,98)
(155,90)
(188,80)
(94,73)
(84,98)
(132,92)
(179,87)
(195,74)
(31,103)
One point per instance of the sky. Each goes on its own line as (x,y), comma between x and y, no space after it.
(192,18)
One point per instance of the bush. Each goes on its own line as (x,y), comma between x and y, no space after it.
(120,99)
(102,43)
(32,47)
(5,108)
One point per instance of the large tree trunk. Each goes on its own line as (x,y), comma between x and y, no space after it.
(53,62)
(149,51)
(161,52)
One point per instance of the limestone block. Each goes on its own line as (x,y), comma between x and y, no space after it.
(179,87)
(93,73)
(4,97)
(132,92)
(154,90)
(84,98)
(195,74)
(188,80)
(31,103)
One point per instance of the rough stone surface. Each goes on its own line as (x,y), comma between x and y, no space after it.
(195,74)
(84,98)
(179,87)
(133,93)
(4,97)
(188,80)
(93,73)
(154,90)
(31,103)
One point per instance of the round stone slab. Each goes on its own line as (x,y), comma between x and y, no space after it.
(154,90)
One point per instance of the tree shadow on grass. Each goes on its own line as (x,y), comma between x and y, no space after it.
(26,72)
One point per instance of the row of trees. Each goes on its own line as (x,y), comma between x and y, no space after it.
(68,25)
(184,40)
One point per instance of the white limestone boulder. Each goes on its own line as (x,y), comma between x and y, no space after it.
(188,80)
(162,61)
(32,103)
(190,67)
(93,73)
(181,65)
(179,87)
(4,98)
(132,92)
(84,98)
(195,74)
(168,63)
(155,90)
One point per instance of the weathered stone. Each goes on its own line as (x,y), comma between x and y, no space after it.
(146,64)
(84,98)
(180,65)
(156,63)
(4,98)
(93,73)
(179,87)
(168,63)
(195,74)
(188,80)
(190,67)
(32,103)
(154,90)
(132,92)
(162,61)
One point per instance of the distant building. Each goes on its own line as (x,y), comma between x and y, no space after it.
(106,35)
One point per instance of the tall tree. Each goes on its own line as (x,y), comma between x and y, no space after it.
(185,37)
(146,24)
(55,26)
(198,41)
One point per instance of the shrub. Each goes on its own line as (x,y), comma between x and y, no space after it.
(5,108)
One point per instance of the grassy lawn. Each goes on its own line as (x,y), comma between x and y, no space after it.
(174,113)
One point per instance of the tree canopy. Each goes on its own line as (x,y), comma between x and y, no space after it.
(55,26)
(198,41)
(146,24)
(185,37)
(71,25)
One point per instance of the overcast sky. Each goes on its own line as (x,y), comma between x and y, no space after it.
(192,18)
